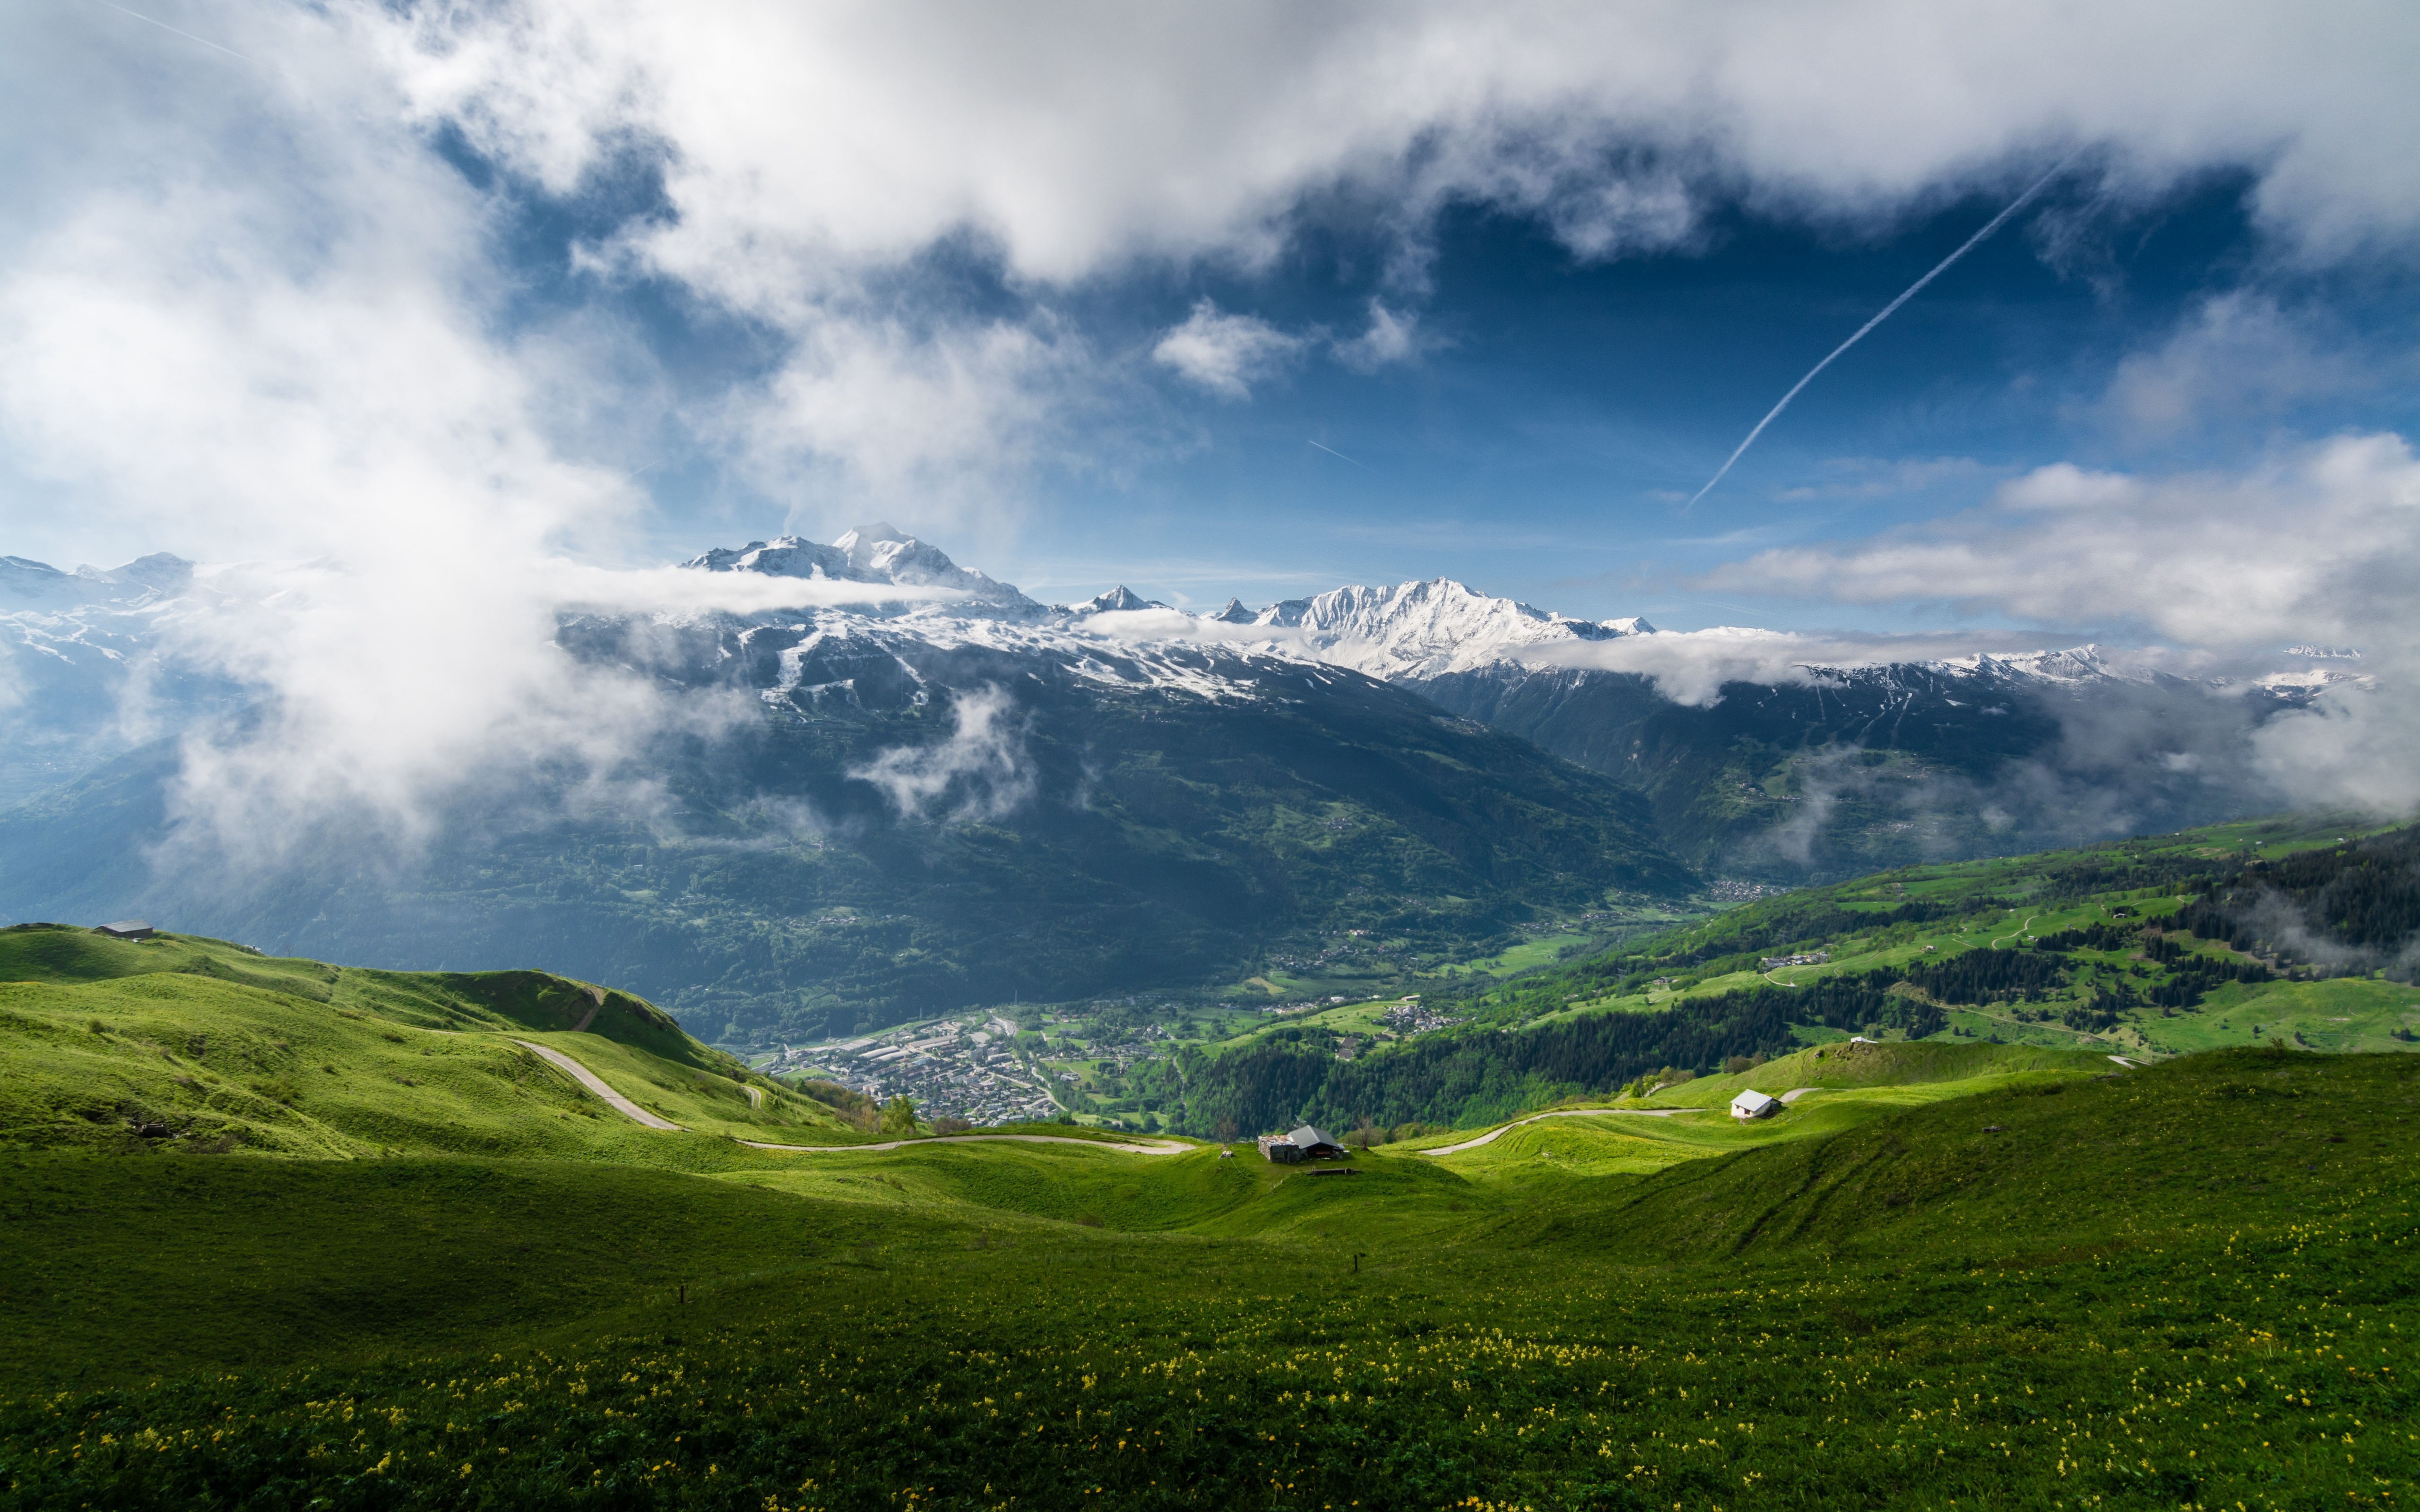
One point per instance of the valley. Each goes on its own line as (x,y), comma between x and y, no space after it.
(951,805)
(289,1231)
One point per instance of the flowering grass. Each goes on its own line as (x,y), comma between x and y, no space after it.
(2188,1286)
(1141,1380)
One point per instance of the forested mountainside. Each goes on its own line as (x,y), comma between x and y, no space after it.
(871,814)
(2159,946)
(1063,836)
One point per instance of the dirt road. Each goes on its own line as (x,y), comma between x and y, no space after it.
(1494,1134)
(595,1084)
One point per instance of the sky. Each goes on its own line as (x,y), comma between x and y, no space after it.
(1253,300)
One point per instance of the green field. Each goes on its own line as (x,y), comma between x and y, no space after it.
(442,1274)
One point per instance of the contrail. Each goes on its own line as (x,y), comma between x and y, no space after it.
(1913,289)
(1363,466)
(187,36)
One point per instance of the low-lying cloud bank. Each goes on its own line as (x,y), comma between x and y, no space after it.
(2318,546)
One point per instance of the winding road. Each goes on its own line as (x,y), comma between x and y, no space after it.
(1494,1134)
(636,1114)
(595,1084)
(2019,934)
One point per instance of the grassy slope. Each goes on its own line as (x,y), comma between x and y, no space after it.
(230,1050)
(1953,1269)
(2347,1014)
(2008,1299)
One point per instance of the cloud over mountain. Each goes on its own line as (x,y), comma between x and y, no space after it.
(272,299)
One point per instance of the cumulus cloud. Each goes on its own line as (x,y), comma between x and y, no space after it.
(2239,355)
(810,157)
(294,374)
(1225,354)
(982,771)
(2317,544)
(867,412)
(801,137)
(2312,545)
(1394,336)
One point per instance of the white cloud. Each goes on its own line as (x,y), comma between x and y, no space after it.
(806,137)
(2319,544)
(261,330)
(2316,544)
(866,413)
(811,155)
(2239,358)
(1691,665)
(1225,354)
(982,771)
(1394,336)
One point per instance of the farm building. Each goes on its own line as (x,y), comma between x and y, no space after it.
(127,928)
(1305,1143)
(1754,1105)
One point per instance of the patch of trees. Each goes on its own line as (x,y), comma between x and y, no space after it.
(2363,898)
(1988,975)
(2120,873)
(855,1108)
(2192,978)
(1467,1079)
(1816,920)
(2094,936)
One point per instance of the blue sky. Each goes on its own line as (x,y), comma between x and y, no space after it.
(1562,408)
(1074,294)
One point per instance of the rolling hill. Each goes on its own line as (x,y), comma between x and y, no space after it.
(2296,931)
(2004,1272)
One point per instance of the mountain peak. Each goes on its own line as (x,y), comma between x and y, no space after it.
(1118,600)
(875,553)
(1429,629)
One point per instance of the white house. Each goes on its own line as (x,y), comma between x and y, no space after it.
(1754,1105)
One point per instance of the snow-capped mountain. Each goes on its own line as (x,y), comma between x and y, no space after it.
(1418,630)
(27,583)
(69,643)
(1060,799)
(877,554)
(1421,635)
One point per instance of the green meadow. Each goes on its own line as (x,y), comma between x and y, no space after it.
(286,1235)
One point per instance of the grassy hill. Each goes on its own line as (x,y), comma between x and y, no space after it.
(2189,1285)
(282,1233)
(197,1043)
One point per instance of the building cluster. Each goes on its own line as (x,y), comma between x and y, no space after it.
(1813,958)
(1408,1018)
(1353,943)
(1732,890)
(1313,1005)
(965,1068)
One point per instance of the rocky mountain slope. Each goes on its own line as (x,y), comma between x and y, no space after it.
(983,801)
(966,795)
